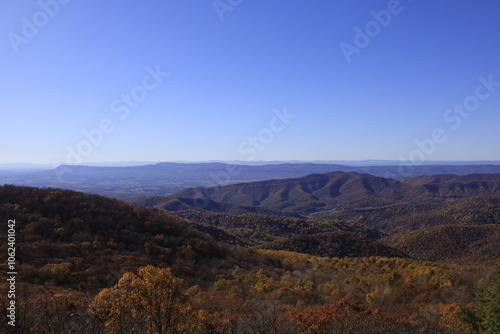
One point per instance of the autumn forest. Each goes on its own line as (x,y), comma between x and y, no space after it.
(339,252)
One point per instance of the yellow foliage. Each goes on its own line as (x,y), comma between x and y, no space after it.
(150,302)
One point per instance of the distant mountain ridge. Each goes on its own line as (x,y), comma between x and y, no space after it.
(167,178)
(331,191)
(172,203)
(310,193)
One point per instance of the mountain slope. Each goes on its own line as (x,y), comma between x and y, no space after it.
(339,190)
(451,178)
(459,186)
(166,178)
(69,245)
(161,178)
(71,238)
(316,192)
(459,243)
(256,229)
(399,218)
(334,244)
(172,203)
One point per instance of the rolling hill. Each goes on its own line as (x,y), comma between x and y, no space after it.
(458,243)
(312,193)
(166,178)
(400,218)
(334,244)
(92,240)
(323,193)
(253,229)
(71,249)
(172,203)
(451,178)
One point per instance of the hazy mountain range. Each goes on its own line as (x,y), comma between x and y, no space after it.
(330,191)
(167,178)
(291,241)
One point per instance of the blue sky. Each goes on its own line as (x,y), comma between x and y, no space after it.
(236,69)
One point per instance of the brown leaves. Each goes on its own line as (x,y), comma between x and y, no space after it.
(149,302)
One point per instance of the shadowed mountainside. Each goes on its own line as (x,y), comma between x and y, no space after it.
(331,191)
(71,238)
(171,203)
(316,192)
(400,218)
(72,245)
(254,229)
(457,243)
(334,244)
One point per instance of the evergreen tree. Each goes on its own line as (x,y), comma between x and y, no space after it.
(485,316)
(488,304)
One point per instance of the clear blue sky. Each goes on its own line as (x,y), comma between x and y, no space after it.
(228,78)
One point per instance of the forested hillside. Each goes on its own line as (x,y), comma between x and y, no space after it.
(313,193)
(322,194)
(79,258)
(166,177)
(457,243)
(74,239)
(400,218)
(254,229)
(334,244)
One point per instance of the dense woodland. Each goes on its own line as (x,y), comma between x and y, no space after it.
(401,218)
(334,244)
(253,229)
(90,264)
(457,243)
(321,194)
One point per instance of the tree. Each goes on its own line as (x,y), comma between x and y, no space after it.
(149,302)
(485,316)
(488,304)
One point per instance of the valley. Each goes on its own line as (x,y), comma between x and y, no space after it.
(167,178)
(268,255)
